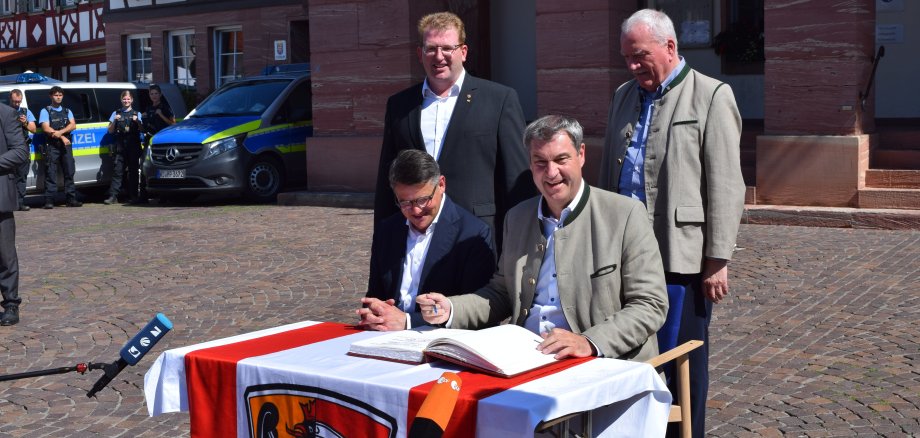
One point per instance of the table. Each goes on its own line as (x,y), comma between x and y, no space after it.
(298,377)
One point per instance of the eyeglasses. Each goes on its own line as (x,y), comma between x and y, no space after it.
(446,50)
(417,202)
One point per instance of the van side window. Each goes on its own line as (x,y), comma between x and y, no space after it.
(109,99)
(82,103)
(5,97)
(297,106)
(36,100)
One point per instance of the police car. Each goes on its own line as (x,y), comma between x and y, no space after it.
(91,104)
(247,138)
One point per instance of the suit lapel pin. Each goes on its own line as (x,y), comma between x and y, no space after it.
(469,98)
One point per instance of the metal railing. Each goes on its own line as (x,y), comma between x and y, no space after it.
(864,96)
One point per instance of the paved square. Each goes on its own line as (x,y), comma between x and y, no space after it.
(818,338)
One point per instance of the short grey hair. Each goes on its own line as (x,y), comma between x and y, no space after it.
(413,166)
(546,127)
(658,23)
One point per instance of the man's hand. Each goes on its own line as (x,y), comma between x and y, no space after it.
(381,315)
(564,343)
(715,279)
(435,307)
(65,140)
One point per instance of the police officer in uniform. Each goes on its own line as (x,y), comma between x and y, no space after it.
(27,121)
(125,124)
(158,116)
(57,123)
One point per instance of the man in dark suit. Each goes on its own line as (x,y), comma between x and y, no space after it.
(471,126)
(433,245)
(13,153)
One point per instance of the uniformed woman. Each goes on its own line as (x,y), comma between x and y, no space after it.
(125,125)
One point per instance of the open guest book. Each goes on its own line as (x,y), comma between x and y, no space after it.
(505,350)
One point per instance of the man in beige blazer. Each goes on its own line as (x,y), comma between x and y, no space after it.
(673,142)
(580,265)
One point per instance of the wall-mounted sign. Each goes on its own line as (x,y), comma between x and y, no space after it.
(889,33)
(280,50)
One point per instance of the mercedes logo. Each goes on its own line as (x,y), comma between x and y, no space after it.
(172,153)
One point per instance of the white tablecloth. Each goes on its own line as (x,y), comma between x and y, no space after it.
(323,371)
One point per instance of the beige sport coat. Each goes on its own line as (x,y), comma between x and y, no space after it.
(693,184)
(609,274)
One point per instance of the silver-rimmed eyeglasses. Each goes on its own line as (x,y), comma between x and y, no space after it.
(446,50)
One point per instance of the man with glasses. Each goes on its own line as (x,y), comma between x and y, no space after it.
(433,245)
(471,126)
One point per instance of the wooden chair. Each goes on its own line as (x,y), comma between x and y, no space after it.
(680,409)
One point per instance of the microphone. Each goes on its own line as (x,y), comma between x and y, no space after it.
(434,414)
(134,350)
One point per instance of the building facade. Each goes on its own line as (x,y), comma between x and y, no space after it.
(826,121)
(63,39)
(200,44)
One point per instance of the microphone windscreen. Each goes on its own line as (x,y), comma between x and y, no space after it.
(144,340)
(434,414)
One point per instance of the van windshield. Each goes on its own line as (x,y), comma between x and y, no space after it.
(244,98)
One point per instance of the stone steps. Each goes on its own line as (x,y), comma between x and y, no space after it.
(890,198)
(893,179)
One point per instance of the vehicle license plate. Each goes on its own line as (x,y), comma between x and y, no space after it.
(171,173)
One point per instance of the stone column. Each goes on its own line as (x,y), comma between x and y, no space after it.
(579,65)
(361,52)
(815,150)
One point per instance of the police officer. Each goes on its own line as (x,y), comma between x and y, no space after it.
(57,123)
(158,116)
(125,124)
(27,121)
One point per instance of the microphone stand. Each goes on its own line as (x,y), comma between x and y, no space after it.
(80,368)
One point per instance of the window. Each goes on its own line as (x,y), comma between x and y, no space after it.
(692,20)
(741,42)
(8,7)
(297,107)
(139,53)
(182,58)
(228,56)
(37,5)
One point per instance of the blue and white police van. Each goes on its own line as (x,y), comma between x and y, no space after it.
(247,138)
(91,103)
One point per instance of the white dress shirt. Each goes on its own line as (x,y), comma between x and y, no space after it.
(436,112)
(417,244)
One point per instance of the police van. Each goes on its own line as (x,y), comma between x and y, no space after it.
(91,104)
(247,138)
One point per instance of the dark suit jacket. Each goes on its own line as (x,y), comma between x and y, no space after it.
(13,153)
(483,158)
(460,257)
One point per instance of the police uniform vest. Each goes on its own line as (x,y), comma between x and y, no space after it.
(57,119)
(153,123)
(126,124)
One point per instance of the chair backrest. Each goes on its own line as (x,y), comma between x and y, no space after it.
(667,334)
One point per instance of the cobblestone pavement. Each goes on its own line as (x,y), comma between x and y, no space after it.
(819,337)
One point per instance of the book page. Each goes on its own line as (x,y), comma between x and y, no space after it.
(403,346)
(506,349)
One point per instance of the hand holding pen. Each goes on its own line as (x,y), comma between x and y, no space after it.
(434,306)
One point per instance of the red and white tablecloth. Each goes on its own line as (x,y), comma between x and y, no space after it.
(297,380)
